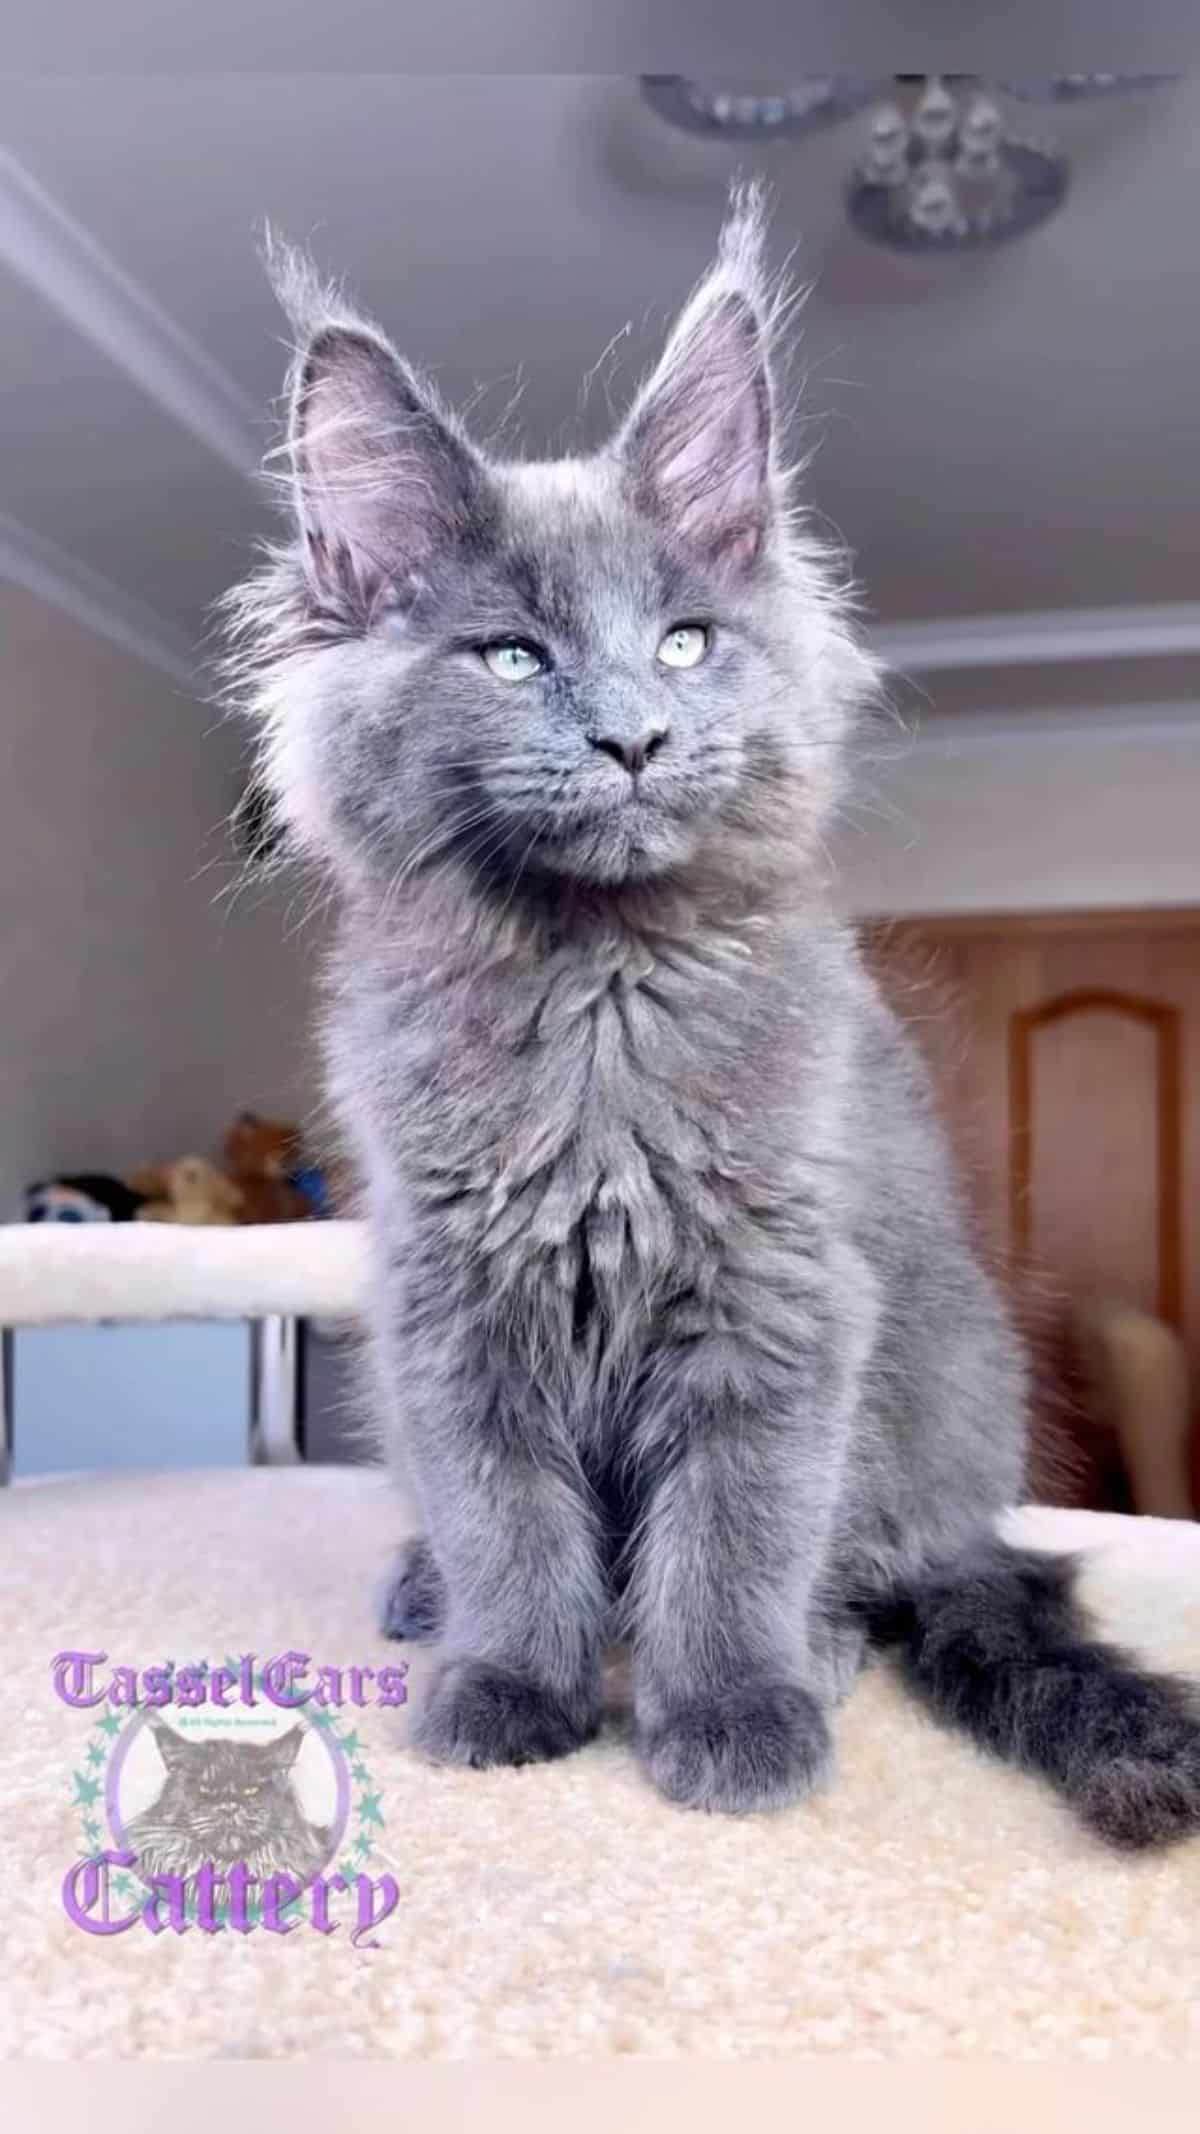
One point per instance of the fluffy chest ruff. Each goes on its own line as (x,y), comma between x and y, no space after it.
(577,1137)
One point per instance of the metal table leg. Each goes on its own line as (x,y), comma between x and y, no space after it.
(276,1420)
(8,1423)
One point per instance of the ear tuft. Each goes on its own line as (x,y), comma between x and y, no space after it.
(382,479)
(307,301)
(742,246)
(698,443)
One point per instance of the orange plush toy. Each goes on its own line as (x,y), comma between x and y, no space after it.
(260,1155)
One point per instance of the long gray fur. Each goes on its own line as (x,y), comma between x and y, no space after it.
(677,1332)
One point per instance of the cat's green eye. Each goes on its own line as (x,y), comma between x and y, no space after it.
(512,660)
(684,646)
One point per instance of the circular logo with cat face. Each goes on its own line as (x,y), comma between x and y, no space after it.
(283,1791)
(262,1787)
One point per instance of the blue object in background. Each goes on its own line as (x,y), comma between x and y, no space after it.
(171,1395)
(310,1180)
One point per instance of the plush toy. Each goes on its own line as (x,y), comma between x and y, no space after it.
(190,1190)
(262,1156)
(87,1197)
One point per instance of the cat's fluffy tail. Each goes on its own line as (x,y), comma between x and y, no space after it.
(996,1642)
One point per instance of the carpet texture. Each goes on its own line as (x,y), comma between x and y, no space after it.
(928,1905)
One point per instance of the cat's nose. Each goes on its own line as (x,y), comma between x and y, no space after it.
(632,751)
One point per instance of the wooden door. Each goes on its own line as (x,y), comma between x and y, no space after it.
(1068,1055)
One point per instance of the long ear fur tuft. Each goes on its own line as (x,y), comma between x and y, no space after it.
(699,442)
(382,477)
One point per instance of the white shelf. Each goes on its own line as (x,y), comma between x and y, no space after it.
(58,1273)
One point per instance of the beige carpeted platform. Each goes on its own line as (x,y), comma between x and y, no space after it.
(928,1905)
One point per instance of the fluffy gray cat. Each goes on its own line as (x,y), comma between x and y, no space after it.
(675,1315)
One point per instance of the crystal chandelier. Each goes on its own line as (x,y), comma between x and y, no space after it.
(942,167)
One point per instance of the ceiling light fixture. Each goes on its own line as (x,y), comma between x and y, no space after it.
(733,111)
(941,170)
(942,167)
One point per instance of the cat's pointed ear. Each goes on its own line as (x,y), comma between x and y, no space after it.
(698,443)
(382,477)
(284,1750)
(171,1746)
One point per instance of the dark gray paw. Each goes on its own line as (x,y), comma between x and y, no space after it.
(473,1713)
(757,1747)
(413,1599)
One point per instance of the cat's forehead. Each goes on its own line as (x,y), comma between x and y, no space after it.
(572,543)
(573,493)
(235,1752)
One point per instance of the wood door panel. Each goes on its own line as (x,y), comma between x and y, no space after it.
(1093,1118)
(1068,1059)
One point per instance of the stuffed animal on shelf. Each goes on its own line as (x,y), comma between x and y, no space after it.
(85,1197)
(190,1190)
(262,1157)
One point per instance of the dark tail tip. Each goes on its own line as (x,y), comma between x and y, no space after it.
(995,1642)
(1142,1788)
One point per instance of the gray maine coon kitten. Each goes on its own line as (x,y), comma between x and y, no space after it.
(674,1310)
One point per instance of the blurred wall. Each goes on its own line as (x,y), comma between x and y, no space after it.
(138,1007)
(1090,813)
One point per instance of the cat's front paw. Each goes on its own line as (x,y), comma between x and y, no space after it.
(413,1599)
(756,1747)
(477,1714)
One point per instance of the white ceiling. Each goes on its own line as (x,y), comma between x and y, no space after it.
(1012,431)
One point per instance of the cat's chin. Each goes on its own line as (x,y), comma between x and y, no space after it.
(620,849)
